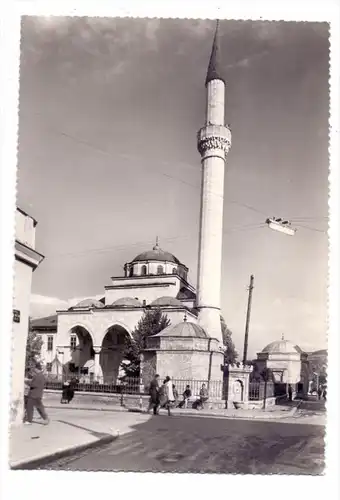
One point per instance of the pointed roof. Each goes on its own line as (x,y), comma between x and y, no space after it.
(214,68)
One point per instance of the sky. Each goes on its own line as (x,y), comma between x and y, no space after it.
(107,160)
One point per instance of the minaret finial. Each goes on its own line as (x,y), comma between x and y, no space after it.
(156,247)
(214,72)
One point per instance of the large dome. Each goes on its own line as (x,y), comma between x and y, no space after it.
(281,347)
(167,301)
(127,302)
(156,254)
(89,303)
(184,329)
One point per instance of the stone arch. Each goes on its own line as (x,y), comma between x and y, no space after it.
(83,350)
(238,390)
(111,353)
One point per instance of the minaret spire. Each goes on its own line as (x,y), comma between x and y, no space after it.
(214,68)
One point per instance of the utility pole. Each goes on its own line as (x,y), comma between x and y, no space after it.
(245,349)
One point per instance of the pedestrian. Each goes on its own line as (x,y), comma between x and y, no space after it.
(324,393)
(186,397)
(35,394)
(319,392)
(170,398)
(203,398)
(154,395)
(26,391)
(290,393)
(175,393)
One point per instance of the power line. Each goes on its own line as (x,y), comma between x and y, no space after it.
(149,242)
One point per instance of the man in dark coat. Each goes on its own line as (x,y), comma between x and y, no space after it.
(34,398)
(154,394)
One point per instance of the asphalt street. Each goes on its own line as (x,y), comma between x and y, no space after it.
(209,445)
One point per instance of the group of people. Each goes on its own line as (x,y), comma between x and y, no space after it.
(34,389)
(166,396)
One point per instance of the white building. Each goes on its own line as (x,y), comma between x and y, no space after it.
(89,337)
(27,260)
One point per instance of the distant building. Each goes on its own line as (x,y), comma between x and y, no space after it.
(27,259)
(287,363)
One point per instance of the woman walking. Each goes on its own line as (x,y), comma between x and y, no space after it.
(167,398)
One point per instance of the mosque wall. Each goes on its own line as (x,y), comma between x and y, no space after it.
(142,292)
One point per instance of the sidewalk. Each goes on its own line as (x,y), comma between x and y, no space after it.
(275,412)
(34,445)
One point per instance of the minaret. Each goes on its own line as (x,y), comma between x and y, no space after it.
(214,141)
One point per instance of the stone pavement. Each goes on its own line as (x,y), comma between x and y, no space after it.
(67,433)
(186,444)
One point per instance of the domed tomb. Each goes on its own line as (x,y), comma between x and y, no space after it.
(183,329)
(280,347)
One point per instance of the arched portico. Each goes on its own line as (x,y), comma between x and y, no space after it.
(80,350)
(111,353)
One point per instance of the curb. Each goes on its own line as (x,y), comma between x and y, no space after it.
(268,416)
(35,463)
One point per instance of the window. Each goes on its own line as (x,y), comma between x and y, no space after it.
(174,270)
(49,367)
(131,271)
(160,270)
(143,270)
(73,341)
(50,343)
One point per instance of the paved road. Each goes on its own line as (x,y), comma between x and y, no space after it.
(188,444)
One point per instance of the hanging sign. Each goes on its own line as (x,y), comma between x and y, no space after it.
(16,316)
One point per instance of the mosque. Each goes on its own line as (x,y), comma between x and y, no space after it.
(89,337)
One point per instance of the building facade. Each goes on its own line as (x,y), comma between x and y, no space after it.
(27,259)
(88,338)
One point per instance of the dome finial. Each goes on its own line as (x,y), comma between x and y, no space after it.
(156,247)
(185,319)
(283,336)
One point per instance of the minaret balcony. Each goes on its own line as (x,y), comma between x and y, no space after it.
(213,137)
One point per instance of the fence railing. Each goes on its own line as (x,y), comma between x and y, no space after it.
(134,386)
(261,390)
(216,388)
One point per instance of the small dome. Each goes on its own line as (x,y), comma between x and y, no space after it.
(127,302)
(156,254)
(167,301)
(89,303)
(184,329)
(281,347)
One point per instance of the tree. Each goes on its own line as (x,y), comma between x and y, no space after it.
(152,322)
(230,353)
(33,349)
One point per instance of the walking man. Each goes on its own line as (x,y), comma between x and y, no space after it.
(35,394)
(154,394)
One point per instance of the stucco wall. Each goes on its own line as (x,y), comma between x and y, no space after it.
(149,294)
(24,229)
(21,301)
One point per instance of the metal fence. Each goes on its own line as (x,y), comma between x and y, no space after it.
(216,388)
(134,386)
(261,390)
